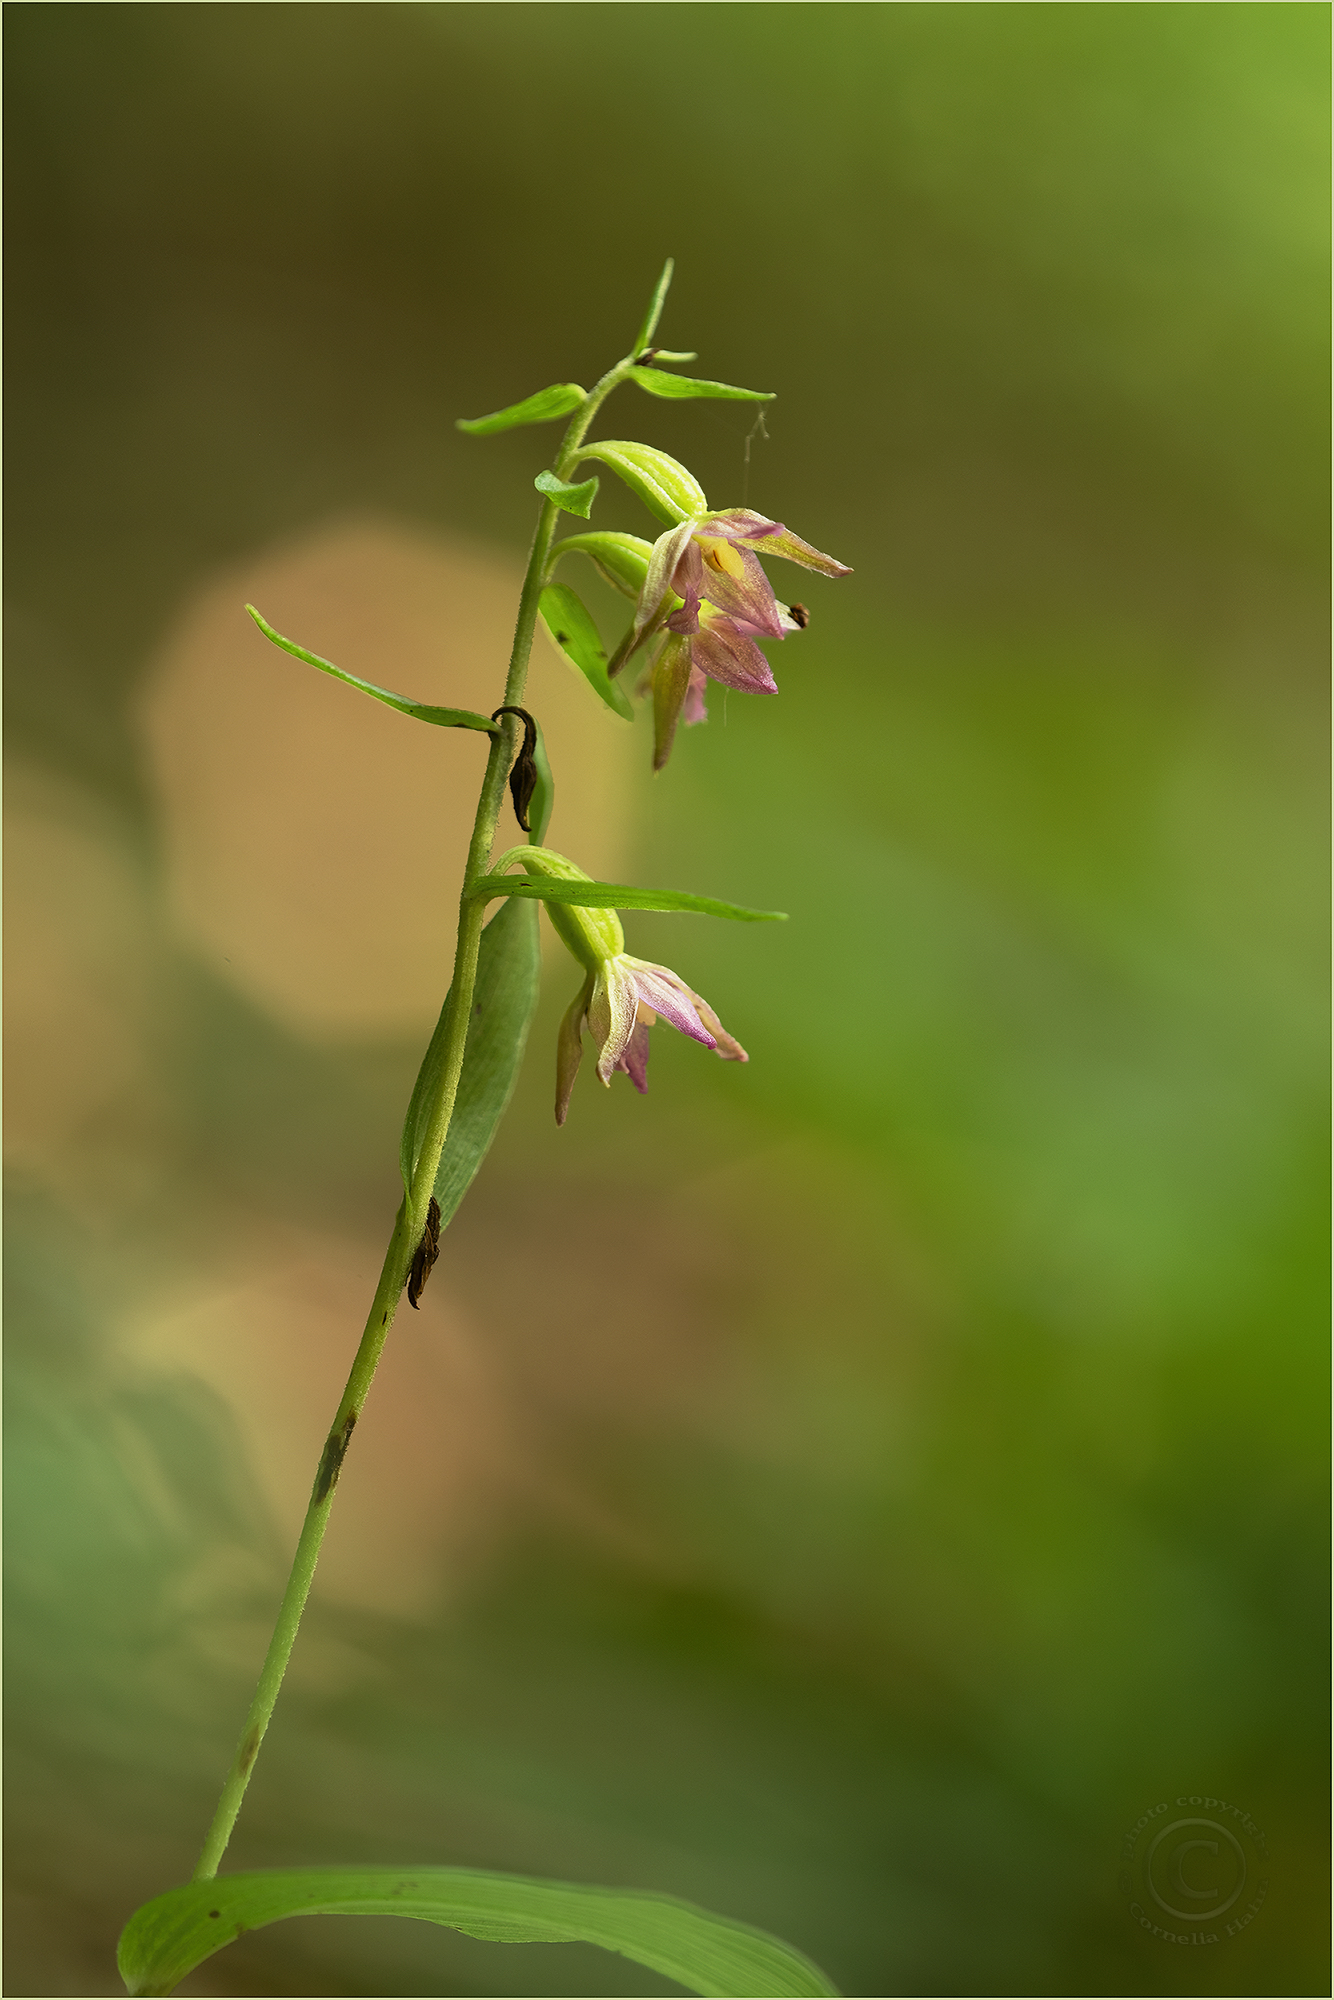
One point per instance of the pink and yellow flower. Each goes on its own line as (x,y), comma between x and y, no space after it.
(618,1004)
(726,602)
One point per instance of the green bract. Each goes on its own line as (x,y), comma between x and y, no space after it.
(662,483)
(679,387)
(571,626)
(421,711)
(562,882)
(543,408)
(574,499)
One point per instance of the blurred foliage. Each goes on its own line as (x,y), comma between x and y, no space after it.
(926,1472)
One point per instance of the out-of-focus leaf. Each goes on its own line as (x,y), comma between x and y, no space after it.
(618,896)
(420,711)
(655,306)
(662,483)
(508,968)
(680,387)
(574,499)
(571,626)
(543,801)
(167,1938)
(546,405)
(622,559)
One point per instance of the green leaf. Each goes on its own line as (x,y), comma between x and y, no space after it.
(542,804)
(655,306)
(421,711)
(662,483)
(679,387)
(622,559)
(167,1938)
(547,404)
(572,628)
(574,499)
(508,966)
(618,896)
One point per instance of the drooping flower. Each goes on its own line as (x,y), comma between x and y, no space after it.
(726,602)
(619,1003)
(621,996)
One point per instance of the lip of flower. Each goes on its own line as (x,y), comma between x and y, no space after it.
(619,1002)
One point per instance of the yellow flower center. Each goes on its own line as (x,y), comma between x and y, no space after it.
(720,556)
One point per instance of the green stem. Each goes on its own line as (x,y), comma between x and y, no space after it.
(410,1221)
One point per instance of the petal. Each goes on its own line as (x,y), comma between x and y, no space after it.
(667,552)
(727,655)
(668,995)
(695,709)
(570,1049)
(671,677)
(611,1014)
(734,581)
(635,1059)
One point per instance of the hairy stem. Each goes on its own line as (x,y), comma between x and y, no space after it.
(411,1218)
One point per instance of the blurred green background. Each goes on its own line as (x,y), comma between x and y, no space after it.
(846,1491)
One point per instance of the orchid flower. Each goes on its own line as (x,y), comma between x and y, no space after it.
(618,1003)
(621,996)
(726,603)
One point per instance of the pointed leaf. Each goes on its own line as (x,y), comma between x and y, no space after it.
(573,630)
(167,1938)
(421,711)
(618,896)
(543,408)
(505,996)
(655,306)
(574,499)
(658,383)
(662,483)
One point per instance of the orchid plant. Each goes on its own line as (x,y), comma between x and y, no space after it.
(701,603)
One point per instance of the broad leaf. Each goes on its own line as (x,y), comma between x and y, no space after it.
(617,896)
(574,499)
(547,404)
(421,711)
(508,966)
(658,383)
(572,628)
(662,483)
(167,1938)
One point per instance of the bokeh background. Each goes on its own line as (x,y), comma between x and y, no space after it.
(846,1491)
